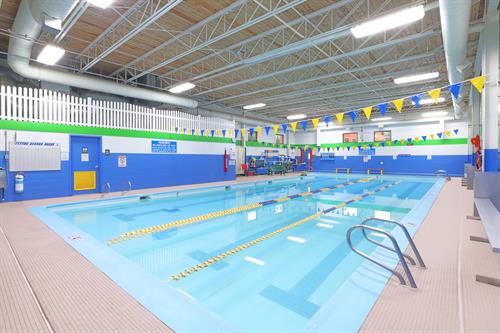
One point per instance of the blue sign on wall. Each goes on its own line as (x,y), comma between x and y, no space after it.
(165,147)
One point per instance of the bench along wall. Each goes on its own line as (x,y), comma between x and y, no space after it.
(420,157)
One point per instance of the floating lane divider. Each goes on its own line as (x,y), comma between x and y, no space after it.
(251,243)
(201,218)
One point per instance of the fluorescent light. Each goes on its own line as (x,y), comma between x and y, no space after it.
(426,101)
(254,106)
(50,55)
(434,114)
(100,3)
(296,116)
(381,119)
(388,22)
(181,88)
(414,78)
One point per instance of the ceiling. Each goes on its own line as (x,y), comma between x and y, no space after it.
(296,56)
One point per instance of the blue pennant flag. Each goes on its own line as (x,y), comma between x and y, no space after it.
(455,89)
(202,132)
(348,147)
(236,132)
(250,130)
(456,131)
(326,120)
(440,135)
(382,108)
(223,132)
(284,126)
(338,147)
(176,129)
(416,100)
(304,125)
(328,148)
(212,132)
(192,131)
(267,129)
(184,130)
(409,140)
(360,148)
(424,137)
(371,145)
(383,144)
(352,114)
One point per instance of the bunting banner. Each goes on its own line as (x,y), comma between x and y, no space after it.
(315,122)
(340,117)
(416,100)
(368,112)
(267,129)
(284,126)
(258,130)
(304,125)
(434,94)
(224,133)
(478,82)
(352,114)
(293,125)
(327,120)
(382,108)
(454,89)
(276,128)
(398,103)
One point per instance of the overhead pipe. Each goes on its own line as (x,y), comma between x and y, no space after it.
(27,27)
(455,17)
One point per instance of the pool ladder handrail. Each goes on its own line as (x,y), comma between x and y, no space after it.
(363,226)
(442,173)
(129,186)
(108,187)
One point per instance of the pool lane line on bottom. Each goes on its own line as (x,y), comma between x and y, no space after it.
(200,218)
(222,256)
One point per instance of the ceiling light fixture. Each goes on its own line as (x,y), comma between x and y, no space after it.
(100,3)
(415,78)
(254,106)
(390,21)
(381,119)
(181,88)
(427,101)
(296,116)
(50,55)
(434,114)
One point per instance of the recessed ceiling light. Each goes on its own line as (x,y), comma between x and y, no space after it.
(296,116)
(418,77)
(381,119)
(389,21)
(426,101)
(434,114)
(50,55)
(100,3)
(254,106)
(181,87)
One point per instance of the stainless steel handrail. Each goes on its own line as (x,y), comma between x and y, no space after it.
(108,186)
(396,249)
(442,173)
(129,187)
(407,235)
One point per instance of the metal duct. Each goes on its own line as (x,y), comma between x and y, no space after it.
(455,17)
(26,29)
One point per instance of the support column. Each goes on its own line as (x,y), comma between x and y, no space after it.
(490,92)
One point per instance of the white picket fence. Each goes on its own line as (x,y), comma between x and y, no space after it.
(46,106)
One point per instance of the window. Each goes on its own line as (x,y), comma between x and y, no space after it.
(382,136)
(252,137)
(280,139)
(350,137)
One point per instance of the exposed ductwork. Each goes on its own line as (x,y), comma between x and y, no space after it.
(27,28)
(455,17)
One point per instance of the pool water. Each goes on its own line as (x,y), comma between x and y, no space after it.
(274,275)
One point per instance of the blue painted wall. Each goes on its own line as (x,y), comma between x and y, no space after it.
(143,170)
(414,165)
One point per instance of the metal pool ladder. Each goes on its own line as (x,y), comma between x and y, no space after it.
(396,248)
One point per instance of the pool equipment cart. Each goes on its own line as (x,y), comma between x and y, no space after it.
(363,226)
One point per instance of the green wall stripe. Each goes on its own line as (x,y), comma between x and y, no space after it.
(73,129)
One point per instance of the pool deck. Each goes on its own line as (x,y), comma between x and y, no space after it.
(46,286)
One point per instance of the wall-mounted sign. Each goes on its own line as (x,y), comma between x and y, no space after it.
(122,161)
(107,152)
(163,147)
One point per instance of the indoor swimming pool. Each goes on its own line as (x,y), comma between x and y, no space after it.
(264,256)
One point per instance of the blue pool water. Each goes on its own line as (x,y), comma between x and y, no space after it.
(273,275)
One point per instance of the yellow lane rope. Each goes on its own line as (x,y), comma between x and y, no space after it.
(244,246)
(205,217)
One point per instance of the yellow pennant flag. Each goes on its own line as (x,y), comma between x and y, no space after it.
(368,112)
(217,132)
(388,143)
(435,93)
(188,130)
(275,128)
(315,122)
(377,145)
(293,126)
(340,117)
(432,136)
(197,132)
(258,130)
(417,138)
(230,133)
(242,131)
(398,103)
(478,83)
(448,133)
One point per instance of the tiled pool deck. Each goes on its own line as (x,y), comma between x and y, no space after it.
(46,286)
